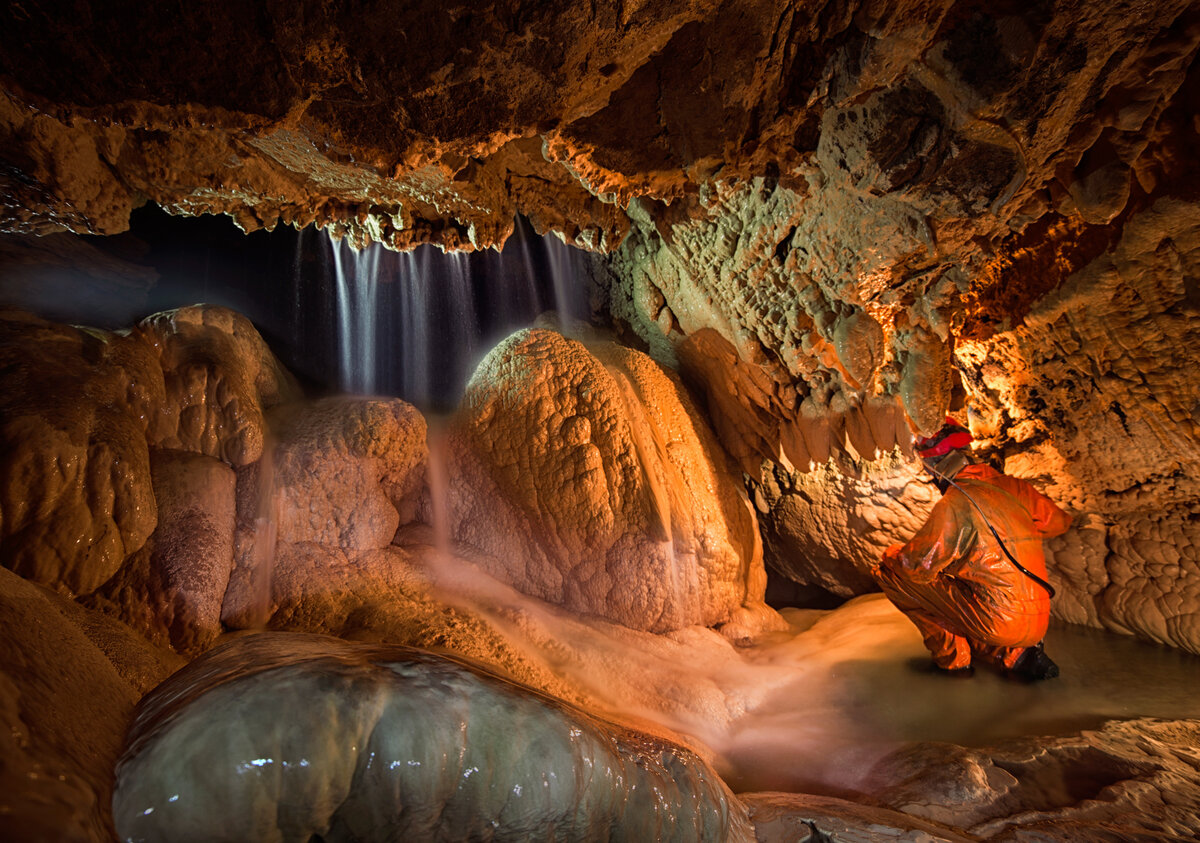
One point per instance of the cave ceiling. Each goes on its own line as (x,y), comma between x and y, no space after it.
(895,173)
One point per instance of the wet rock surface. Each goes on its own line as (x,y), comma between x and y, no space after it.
(83,410)
(172,590)
(301,735)
(64,707)
(220,378)
(1132,780)
(328,493)
(77,498)
(587,475)
(800,818)
(857,218)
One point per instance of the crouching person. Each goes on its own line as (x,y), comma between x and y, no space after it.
(973,578)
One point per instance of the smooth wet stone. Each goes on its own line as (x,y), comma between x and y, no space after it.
(277,737)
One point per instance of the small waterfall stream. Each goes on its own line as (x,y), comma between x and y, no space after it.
(414,324)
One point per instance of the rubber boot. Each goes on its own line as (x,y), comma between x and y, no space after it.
(1034,665)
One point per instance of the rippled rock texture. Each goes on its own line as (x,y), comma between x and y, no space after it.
(289,737)
(1134,780)
(588,478)
(69,679)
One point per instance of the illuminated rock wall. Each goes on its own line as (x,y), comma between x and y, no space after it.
(586,475)
(834,219)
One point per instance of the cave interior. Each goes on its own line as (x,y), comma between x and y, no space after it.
(484,421)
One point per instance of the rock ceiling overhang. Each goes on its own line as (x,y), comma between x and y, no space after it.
(412,122)
(894,173)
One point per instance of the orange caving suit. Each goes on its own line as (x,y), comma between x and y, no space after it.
(955,583)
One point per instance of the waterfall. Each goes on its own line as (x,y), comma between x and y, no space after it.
(415,324)
(356,275)
(566,264)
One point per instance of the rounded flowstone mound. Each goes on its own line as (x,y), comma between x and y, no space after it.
(297,737)
(586,477)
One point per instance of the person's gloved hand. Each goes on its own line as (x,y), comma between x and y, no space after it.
(891,559)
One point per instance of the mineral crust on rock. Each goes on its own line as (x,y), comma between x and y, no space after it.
(82,409)
(76,497)
(330,486)
(288,735)
(1129,780)
(220,378)
(585,476)
(64,707)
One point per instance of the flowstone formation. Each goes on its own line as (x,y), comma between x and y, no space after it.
(585,475)
(286,737)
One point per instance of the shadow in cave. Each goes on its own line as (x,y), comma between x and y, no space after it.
(286,282)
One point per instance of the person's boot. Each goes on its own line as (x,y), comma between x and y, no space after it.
(1034,665)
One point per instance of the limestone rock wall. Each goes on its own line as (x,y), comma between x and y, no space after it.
(64,707)
(76,497)
(1134,776)
(82,411)
(326,498)
(219,377)
(1106,424)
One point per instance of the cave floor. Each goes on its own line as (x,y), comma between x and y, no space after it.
(864,688)
(815,708)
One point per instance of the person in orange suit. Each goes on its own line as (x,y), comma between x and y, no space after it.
(973,578)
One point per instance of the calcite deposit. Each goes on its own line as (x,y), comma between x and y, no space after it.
(172,588)
(68,682)
(818,227)
(283,737)
(829,217)
(83,409)
(1133,780)
(583,472)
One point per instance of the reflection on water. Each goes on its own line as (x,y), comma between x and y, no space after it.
(866,689)
(815,708)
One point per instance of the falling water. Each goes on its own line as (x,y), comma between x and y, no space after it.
(414,324)
(357,279)
(266,536)
(566,265)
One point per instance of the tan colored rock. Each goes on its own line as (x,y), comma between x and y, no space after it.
(343,474)
(1135,779)
(82,408)
(140,663)
(586,478)
(381,595)
(829,526)
(1106,426)
(220,378)
(63,714)
(803,818)
(75,493)
(172,591)
(344,467)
